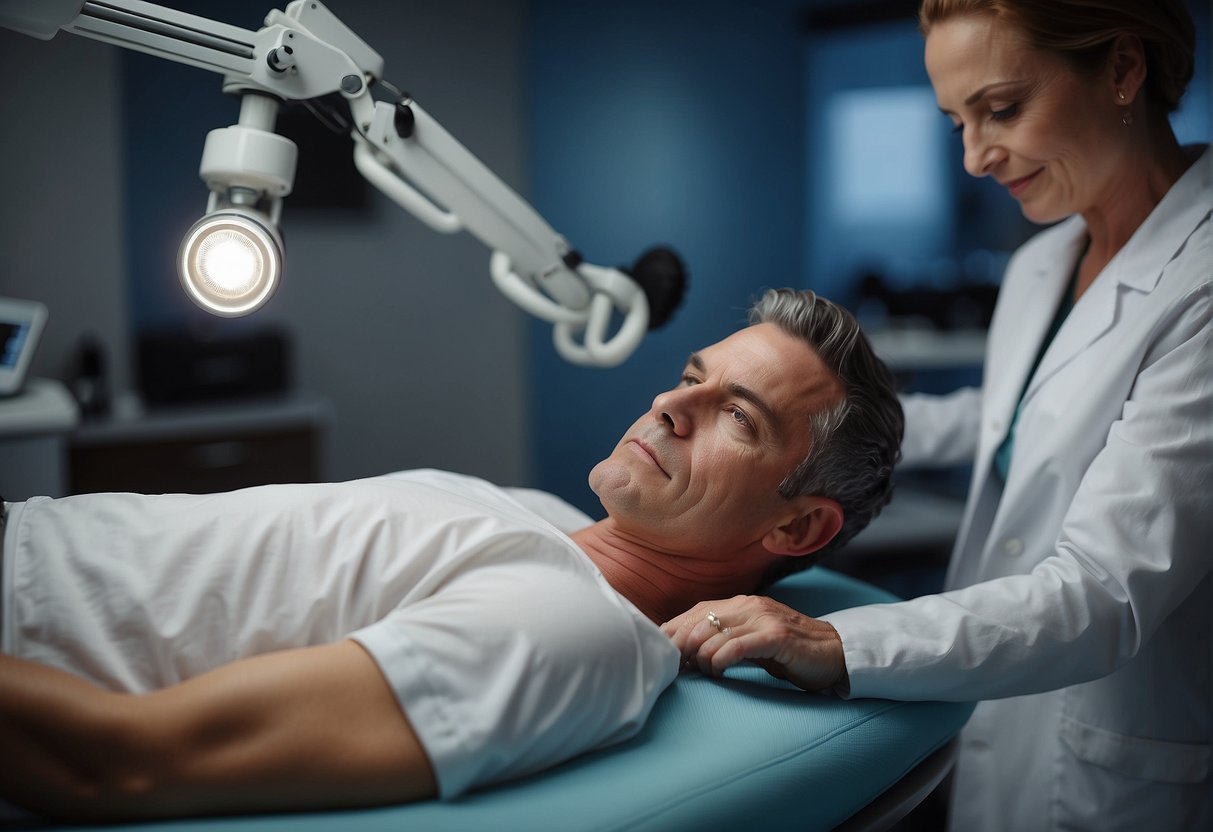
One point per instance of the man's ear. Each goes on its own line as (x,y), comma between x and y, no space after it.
(816,522)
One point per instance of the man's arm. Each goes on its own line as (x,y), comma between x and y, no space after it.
(311,728)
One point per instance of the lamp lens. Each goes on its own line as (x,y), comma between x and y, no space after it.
(230,263)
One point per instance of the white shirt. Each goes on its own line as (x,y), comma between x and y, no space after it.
(505,646)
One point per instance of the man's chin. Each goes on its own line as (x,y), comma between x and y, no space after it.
(616,487)
(607,477)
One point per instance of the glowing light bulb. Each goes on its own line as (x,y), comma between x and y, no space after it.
(230,262)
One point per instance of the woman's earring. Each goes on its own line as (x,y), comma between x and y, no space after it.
(1127,118)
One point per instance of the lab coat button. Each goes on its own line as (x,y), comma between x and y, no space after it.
(996,425)
(1012,546)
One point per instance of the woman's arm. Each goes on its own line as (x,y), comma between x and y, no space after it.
(941,430)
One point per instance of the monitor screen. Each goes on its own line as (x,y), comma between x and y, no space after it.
(20,325)
(12,339)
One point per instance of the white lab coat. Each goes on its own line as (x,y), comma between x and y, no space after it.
(1080,599)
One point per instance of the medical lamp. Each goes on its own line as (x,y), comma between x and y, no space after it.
(231,260)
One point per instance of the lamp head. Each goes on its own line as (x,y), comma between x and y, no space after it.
(230,261)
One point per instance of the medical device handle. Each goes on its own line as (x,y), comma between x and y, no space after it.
(401,192)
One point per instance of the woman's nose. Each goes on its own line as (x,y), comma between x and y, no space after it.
(980,155)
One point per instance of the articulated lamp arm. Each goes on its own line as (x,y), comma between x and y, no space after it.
(306,53)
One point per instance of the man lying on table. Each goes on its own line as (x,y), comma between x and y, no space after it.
(423,633)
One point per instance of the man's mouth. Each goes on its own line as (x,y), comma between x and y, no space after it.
(642,450)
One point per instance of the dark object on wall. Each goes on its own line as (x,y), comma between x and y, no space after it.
(857,14)
(180,367)
(663,277)
(91,385)
(967,306)
(326,180)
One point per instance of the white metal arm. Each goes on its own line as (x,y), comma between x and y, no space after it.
(305,52)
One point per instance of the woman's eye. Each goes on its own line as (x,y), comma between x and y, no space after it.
(1005,113)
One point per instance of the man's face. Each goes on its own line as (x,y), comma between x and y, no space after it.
(700,472)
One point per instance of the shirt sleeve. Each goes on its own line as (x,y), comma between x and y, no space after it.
(514,668)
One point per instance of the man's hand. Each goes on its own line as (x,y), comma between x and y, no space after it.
(311,728)
(716,635)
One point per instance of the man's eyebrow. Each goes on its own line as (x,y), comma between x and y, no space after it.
(742,392)
(768,413)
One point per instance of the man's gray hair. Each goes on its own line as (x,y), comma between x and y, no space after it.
(857,441)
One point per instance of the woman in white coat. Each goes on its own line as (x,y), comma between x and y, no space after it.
(1080,602)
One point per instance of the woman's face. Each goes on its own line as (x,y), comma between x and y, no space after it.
(1026,117)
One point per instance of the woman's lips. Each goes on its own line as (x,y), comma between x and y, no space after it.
(645,452)
(1017,186)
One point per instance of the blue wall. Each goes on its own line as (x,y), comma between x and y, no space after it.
(167,110)
(675,123)
(968,234)
(883,58)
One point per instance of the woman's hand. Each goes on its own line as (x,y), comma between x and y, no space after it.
(715,635)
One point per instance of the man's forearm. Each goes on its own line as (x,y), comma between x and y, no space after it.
(63,738)
(311,728)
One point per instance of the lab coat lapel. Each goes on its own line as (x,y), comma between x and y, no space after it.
(1028,318)
(1027,305)
(1090,318)
(1135,268)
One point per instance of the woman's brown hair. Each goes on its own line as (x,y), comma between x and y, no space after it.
(1084,30)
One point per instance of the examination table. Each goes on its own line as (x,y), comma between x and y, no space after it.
(745,751)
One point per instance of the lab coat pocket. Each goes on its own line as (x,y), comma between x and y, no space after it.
(1147,759)
(1118,782)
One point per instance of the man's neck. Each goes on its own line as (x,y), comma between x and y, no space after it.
(660,583)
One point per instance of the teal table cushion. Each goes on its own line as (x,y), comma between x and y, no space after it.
(742,751)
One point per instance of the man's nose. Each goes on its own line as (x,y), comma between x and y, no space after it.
(675,408)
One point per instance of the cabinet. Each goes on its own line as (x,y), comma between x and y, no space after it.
(203,449)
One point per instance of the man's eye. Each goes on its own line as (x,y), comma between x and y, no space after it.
(687,380)
(739,417)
